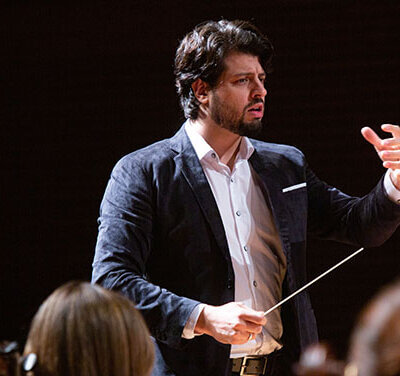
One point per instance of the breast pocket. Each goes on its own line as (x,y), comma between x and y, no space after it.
(295,198)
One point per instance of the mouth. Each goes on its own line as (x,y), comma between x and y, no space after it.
(257,110)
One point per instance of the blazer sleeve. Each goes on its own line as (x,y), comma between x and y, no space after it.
(364,221)
(124,245)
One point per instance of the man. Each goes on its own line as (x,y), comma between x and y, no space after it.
(206,230)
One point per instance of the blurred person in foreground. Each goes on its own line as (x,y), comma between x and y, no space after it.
(319,360)
(375,343)
(85,330)
(206,230)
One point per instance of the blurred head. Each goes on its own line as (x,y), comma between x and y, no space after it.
(202,53)
(318,360)
(85,330)
(375,343)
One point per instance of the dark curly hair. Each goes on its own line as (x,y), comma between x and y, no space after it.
(201,54)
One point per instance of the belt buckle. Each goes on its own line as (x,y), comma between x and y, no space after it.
(244,366)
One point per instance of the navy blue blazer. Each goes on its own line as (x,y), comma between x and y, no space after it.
(161,242)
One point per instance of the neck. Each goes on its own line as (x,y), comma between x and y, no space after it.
(225,143)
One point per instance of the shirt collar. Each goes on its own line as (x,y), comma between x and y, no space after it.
(204,150)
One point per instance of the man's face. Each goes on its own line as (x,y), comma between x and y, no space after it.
(237,102)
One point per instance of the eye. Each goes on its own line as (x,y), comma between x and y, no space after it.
(242,81)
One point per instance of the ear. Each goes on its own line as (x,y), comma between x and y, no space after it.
(201,90)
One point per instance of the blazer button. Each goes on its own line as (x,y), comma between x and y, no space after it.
(229,285)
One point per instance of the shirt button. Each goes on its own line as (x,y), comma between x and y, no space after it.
(255,283)
(245,248)
(238,213)
(232,182)
(213,155)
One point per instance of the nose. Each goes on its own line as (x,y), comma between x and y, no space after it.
(259,90)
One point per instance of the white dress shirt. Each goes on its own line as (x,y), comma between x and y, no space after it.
(256,251)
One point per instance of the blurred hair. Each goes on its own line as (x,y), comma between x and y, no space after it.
(375,343)
(318,360)
(85,330)
(202,52)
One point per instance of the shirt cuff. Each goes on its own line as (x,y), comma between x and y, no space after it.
(392,192)
(188,330)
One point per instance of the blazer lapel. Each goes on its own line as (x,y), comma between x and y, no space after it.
(271,176)
(189,164)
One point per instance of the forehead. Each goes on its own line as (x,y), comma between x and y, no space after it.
(239,62)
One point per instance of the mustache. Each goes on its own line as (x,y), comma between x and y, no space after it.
(253,102)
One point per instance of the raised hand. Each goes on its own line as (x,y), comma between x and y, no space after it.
(388,149)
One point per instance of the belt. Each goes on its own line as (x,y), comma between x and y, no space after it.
(250,365)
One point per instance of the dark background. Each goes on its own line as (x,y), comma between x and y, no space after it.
(83,83)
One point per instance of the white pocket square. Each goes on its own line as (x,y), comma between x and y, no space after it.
(293,187)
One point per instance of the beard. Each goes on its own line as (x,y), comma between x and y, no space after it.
(228,118)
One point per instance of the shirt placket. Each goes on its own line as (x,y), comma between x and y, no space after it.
(238,189)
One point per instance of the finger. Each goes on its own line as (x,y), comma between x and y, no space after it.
(248,314)
(372,137)
(392,143)
(391,128)
(249,336)
(255,317)
(392,165)
(249,327)
(390,155)
(240,338)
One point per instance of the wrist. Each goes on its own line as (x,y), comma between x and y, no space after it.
(201,325)
(395,178)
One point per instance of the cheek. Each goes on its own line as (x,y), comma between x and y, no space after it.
(238,103)
(235,101)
